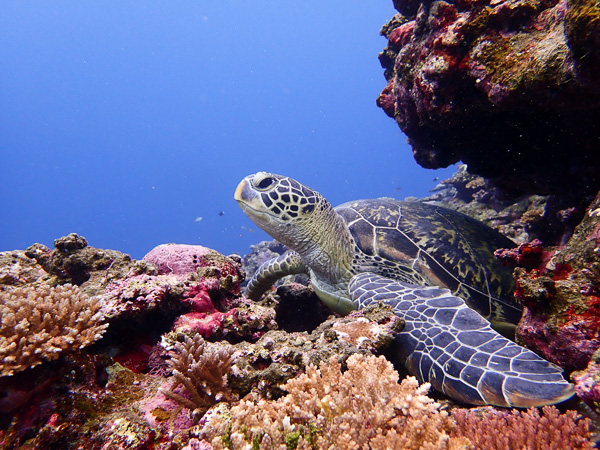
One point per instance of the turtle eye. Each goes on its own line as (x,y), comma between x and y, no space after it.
(265,183)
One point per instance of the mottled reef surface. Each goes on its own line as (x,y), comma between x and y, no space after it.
(102,351)
(509,87)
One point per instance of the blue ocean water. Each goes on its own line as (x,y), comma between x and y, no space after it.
(132,122)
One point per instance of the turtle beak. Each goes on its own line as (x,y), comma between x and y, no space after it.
(246,196)
(241,189)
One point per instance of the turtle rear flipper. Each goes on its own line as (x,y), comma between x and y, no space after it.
(455,349)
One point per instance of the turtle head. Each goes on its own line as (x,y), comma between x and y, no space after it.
(303,220)
(284,208)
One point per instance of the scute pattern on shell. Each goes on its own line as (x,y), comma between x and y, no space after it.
(423,244)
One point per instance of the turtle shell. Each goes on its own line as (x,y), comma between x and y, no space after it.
(426,244)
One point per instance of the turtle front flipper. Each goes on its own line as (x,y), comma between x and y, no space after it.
(272,270)
(455,349)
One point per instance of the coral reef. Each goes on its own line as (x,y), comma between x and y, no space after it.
(196,286)
(561,297)
(175,270)
(202,371)
(279,356)
(503,86)
(39,323)
(523,429)
(17,269)
(73,261)
(364,407)
(157,378)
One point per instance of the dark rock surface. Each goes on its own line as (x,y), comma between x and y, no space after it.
(508,87)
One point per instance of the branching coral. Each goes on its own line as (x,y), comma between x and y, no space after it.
(364,407)
(504,430)
(202,371)
(37,324)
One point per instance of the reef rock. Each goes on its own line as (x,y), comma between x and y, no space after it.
(509,87)
(279,356)
(587,383)
(522,218)
(560,294)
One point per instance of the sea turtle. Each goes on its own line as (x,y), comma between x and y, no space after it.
(421,259)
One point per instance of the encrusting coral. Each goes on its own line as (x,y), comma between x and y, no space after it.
(364,407)
(202,370)
(523,429)
(38,323)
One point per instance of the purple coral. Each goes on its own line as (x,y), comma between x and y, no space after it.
(178,259)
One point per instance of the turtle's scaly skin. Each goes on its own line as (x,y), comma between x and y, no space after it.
(405,255)
(272,270)
(448,344)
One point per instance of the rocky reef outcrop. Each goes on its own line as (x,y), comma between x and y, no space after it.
(559,289)
(186,361)
(509,87)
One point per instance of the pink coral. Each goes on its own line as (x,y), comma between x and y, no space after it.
(178,259)
(172,275)
(492,429)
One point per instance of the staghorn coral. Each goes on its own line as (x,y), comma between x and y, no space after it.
(364,407)
(523,429)
(202,371)
(38,323)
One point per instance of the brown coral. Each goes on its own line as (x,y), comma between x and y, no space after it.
(503,430)
(39,323)
(364,407)
(202,371)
